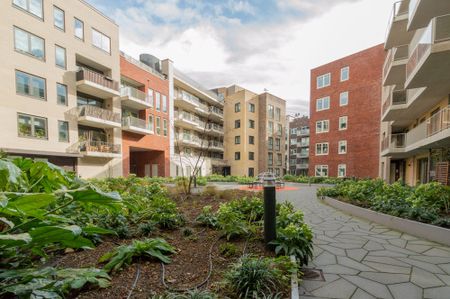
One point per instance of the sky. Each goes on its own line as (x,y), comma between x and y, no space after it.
(257,44)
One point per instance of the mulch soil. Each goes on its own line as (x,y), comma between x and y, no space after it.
(189,267)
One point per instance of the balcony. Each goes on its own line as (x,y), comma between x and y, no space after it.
(214,129)
(97,117)
(421,12)
(303,155)
(395,143)
(302,166)
(186,120)
(136,125)
(396,100)
(215,146)
(216,113)
(303,132)
(394,70)
(202,109)
(99,149)
(397,34)
(96,84)
(186,101)
(219,162)
(134,98)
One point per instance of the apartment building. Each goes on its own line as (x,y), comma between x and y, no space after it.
(59,77)
(415,130)
(344,108)
(299,146)
(145,117)
(254,131)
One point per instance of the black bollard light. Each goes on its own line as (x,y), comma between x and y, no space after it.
(270,230)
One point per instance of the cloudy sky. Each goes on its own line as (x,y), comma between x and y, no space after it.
(258,44)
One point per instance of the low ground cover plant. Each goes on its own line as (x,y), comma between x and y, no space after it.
(427,203)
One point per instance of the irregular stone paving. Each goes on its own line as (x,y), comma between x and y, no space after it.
(361,259)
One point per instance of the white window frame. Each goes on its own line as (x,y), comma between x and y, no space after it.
(164,103)
(323,122)
(165,129)
(158,101)
(321,82)
(30,37)
(321,147)
(319,169)
(343,120)
(151,124)
(342,143)
(104,43)
(158,125)
(341,97)
(340,167)
(28,8)
(33,128)
(320,104)
(75,29)
(64,67)
(345,70)
(57,9)
(59,131)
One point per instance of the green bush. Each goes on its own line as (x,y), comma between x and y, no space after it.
(231,222)
(228,249)
(207,217)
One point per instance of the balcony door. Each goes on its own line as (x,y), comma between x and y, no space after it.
(422,171)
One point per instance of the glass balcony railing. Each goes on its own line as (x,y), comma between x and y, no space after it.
(99,113)
(130,121)
(412,8)
(397,11)
(216,110)
(438,122)
(215,127)
(129,91)
(97,78)
(99,147)
(395,54)
(394,141)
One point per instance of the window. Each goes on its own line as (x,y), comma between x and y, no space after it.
(60,57)
(343,99)
(59,18)
(279,129)
(270,111)
(237,156)
(277,172)
(279,159)
(251,107)
(343,123)
(270,143)
(101,41)
(78,26)
(270,170)
(164,103)
(32,6)
(321,170)
(321,149)
(151,125)
(251,172)
(322,126)
(345,73)
(251,139)
(251,156)
(158,101)
(294,131)
(61,94)
(277,114)
(293,141)
(270,128)
(237,124)
(150,96)
(323,104)
(270,159)
(30,85)
(165,127)
(63,131)
(251,124)
(237,107)
(342,171)
(323,81)
(32,126)
(29,43)
(237,139)
(342,147)
(158,125)
(278,144)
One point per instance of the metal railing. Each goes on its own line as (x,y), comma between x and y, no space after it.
(97,78)
(303,132)
(438,122)
(215,127)
(215,144)
(302,166)
(187,97)
(99,147)
(412,8)
(179,75)
(395,54)
(394,141)
(203,107)
(141,65)
(395,97)
(97,112)
(130,121)
(215,110)
(135,93)
(187,117)
(397,11)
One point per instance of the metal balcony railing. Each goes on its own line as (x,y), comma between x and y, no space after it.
(395,54)
(395,97)
(215,127)
(216,110)
(130,121)
(215,144)
(135,93)
(97,78)
(97,112)
(394,141)
(438,122)
(99,147)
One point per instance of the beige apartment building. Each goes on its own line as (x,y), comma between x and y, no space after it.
(59,77)
(415,131)
(255,131)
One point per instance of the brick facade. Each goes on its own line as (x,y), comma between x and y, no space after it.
(363,112)
(139,150)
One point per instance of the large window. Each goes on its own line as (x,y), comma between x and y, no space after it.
(61,94)
(251,156)
(342,171)
(237,139)
(237,156)
(59,18)
(323,81)
(165,127)
(60,57)
(78,26)
(251,139)
(32,6)
(237,107)
(63,131)
(251,124)
(158,101)
(321,170)
(277,114)
(342,148)
(251,107)
(158,125)
(343,123)
(345,73)
(270,128)
(278,144)
(343,99)
(101,41)
(322,149)
(151,125)
(150,96)
(270,143)
(279,159)
(29,43)
(279,129)
(322,126)
(323,104)
(237,123)
(270,111)
(30,85)
(270,159)
(32,126)
(164,103)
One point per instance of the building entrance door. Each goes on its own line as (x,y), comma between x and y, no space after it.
(154,170)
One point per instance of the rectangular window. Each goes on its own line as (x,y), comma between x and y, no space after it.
(342,171)
(251,107)
(270,128)
(279,129)
(323,81)
(59,18)
(342,147)
(293,141)
(321,170)
(150,96)
(165,127)
(151,125)
(237,124)
(63,131)
(251,172)
(164,103)
(28,43)
(343,123)
(270,159)
(270,143)
(101,41)
(30,85)
(270,111)
(277,172)
(32,126)
(279,159)
(251,124)
(158,101)
(237,139)
(322,149)
(278,144)
(61,94)
(78,26)
(158,125)
(251,139)
(32,6)
(322,126)
(343,99)
(237,107)
(345,73)
(60,57)
(277,114)
(251,156)
(323,104)
(237,156)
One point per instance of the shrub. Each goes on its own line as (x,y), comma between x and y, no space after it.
(433,196)
(231,222)
(295,240)
(146,228)
(163,212)
(207,217)
(228,249)
(210,191)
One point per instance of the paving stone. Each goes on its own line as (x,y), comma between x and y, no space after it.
(325,238)
(311,285)
(346,245)
(445,267)
(333,250)
(423,242)
(339,269)
(445,278)
(387,253)
(332,233)
(425,279)
(325,258)
(437,293)
(408,237)
(388,268)
(398,242)
(356,254)
(423,265)
(430,259)
(417,248)
(385,278)
(379,230)
(406,291)
(374,288)
(372,245)
(398,249)
(337,289)
(345,261)
(393,233)
(317,250)
(360,294)
(386,260)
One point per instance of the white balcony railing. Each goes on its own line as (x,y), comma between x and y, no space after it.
(394,55)
(99,147)
(99,113)
(397,11)
(130,121)
(129,91)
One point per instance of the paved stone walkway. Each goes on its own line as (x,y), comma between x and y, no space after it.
(360,259)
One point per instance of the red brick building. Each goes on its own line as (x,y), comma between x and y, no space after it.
(146,127)
(345,116)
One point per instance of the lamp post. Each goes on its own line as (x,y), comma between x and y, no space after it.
(270,232)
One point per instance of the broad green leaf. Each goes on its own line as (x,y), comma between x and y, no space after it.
(90,230)
(94,195)
(66,235)
(41,294)
(7,222)
(10,240)
(3,200)
(9,174)
(28,203)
